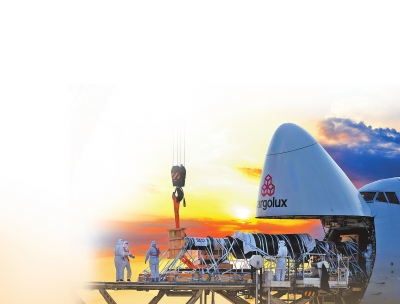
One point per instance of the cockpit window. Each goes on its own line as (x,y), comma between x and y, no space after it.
(392,197)
(368,196)
(381,197)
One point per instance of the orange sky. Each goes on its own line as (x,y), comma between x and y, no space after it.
(201,217)
(140,234)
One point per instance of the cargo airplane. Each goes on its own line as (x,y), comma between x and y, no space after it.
(301,181)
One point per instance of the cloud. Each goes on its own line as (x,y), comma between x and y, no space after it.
(151,188)
(250,172)
(364,153)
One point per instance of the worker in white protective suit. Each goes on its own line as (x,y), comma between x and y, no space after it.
(281,261)
(119,260)
(153,253)
(127,263)
(368,255)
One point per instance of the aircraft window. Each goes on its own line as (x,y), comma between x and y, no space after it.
(368,196)
(381,197)
(392,197)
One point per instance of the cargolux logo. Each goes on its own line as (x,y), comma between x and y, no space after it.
(268,187)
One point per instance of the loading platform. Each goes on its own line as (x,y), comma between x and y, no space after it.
(194,291)
(276,292)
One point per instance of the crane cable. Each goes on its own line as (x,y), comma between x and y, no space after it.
(178,171)
(177,141)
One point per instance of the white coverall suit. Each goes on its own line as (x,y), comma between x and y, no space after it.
(281,262)
(368,258)
(119,260)
(127,264)
(153,254)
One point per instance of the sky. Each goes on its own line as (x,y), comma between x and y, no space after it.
(94,96)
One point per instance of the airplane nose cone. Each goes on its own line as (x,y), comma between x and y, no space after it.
(300,180)
(289,137)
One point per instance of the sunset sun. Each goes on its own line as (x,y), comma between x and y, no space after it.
(242,213)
